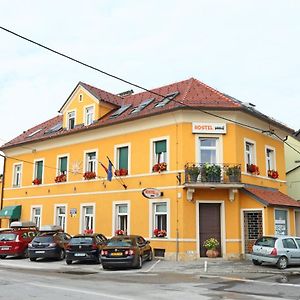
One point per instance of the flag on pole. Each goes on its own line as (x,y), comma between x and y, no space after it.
(109,171)
(103,167)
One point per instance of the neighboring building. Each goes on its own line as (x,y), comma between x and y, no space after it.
(204,175)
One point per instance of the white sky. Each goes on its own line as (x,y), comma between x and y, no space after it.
(247,49)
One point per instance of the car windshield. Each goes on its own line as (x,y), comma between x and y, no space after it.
(266,241)
(87,240)
(120,242)
(7,236)
(43,239)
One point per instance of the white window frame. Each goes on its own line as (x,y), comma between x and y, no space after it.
(152,151)
(67,155)
(82,214)
(56,207)
(272,161)
(287,220)
(152,216)
(68,118)
(116,155)
(16,173)
(252,154)
(35,170)
(32,215)
(89,117)
(115,216)
(85,160)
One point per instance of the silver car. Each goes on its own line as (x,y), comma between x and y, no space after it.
(278,250)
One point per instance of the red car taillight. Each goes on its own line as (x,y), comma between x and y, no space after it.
(104,252)
(274,252)
(129,252)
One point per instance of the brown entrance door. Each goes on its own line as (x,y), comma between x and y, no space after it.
(209,224)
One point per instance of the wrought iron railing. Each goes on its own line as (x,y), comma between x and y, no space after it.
(212,173)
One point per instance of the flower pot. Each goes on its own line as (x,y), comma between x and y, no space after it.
(212,253)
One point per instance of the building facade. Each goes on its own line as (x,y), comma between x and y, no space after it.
(178,165)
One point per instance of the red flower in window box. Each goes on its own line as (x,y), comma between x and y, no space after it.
(159,233)
(159,167)
(88,231)
(273,174)
(120,232)
(253,169)
(36,181)
(121,172)
(60,178)
(89,175)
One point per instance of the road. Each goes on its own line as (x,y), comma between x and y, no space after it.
(151,282)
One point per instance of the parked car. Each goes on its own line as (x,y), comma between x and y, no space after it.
(278,250)
(126,251)
(14,241)
(85,247)
(50,243)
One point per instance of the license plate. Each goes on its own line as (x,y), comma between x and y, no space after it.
(116,254)
(79,254)
(4,248)
(39,251)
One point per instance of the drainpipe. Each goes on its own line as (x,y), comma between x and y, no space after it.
(2,188)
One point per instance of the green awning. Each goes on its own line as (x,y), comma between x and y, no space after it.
(11,212)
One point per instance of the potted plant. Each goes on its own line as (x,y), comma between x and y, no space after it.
(89,175)
(212,173)
(234,173)
(60,178)
(192,173)
(211,245)
(159,167)
(253,169)
(273,174)
(120,232)
(159,232)
(121,172)
(36,181)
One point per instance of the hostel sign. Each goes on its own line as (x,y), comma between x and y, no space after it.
(215,128)
(151,193)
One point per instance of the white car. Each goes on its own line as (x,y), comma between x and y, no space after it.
(278,250)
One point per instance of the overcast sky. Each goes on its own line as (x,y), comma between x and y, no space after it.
(247,49)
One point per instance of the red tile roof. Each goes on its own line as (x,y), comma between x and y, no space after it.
(192,94)
(270,197)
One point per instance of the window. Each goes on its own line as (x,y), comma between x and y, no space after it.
(289,243)
(160,216)
(36,216)
(60,219)
(89,115)
(90,162)
(167,99)
(17,175)
(38,170)
(88,218)
(71,120)
(281,222)
(270,159)
(208,150)
(63,165)
(122,158)
(121,110)
(160,151)
(80,98)
(121,217)
(142,105)
(249,152)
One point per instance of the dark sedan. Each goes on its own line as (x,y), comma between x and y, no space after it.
(85,247)
(126,251)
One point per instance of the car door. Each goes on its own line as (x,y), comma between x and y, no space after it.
(297,258)
(291,250)
(142,244)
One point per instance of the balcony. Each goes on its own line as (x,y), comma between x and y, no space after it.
(213,175)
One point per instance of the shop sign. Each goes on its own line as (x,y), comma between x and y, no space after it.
(151,193)
(216,128)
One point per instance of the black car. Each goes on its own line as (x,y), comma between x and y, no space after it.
(85,247)
(126,251)
(48,245)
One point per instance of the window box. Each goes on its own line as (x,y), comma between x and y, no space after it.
(159,167)
(253,169)
(89,175)
(36,181)
(121,172)
(211,173)
(159,233)
(273,174)
(120,232)
(60,178)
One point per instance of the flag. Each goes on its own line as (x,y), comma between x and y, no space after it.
(109,171)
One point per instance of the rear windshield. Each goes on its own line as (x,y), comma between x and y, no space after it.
(43,239)
(7,236)
(86,240)
(120,242)
(266,241)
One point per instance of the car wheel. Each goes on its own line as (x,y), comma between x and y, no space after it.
(32,258)
(256,262)
(68,261)
(282,262)
(150,257)
(139,262)
(2,256)
(61,254)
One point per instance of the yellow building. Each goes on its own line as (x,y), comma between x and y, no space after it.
(191,165)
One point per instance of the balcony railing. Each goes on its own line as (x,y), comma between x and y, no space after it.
(212,173)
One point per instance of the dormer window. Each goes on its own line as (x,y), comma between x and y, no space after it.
(71,120)
(89,115)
